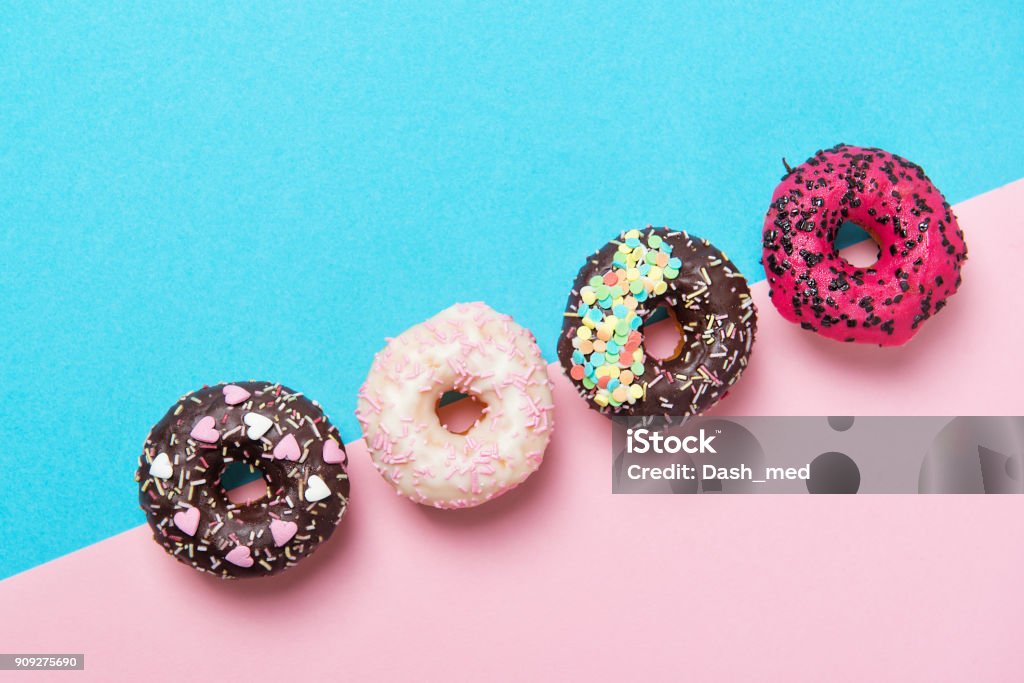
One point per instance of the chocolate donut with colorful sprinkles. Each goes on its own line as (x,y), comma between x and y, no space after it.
(271,428)
(617,290)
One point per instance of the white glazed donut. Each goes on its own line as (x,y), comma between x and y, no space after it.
(472,349)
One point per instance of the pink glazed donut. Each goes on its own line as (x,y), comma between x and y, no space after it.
(922,247)
(471,349)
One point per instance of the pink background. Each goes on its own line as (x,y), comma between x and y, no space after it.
(560,578)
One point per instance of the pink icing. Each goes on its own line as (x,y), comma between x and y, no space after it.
(922,247)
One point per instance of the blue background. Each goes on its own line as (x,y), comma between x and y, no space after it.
(189,195)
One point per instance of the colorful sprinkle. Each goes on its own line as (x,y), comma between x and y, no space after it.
(161,467)
(614,361)
(240,555)
(334,454)
(287,449)
(205,430)
(187,521)
(234,394)
(316,489)
(282,531)
(257,424)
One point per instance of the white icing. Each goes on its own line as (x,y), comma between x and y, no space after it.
(472,349)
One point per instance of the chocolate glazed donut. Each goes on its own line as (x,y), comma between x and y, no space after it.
(615,292)
(269,427)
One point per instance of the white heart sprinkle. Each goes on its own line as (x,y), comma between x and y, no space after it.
(258,425)
(316,489)
(161,467)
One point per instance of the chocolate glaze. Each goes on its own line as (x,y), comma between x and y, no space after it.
(198,466)
(718,323)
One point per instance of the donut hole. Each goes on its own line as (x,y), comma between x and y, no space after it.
(867,251)
(663,335)
(458,412)
(243,484)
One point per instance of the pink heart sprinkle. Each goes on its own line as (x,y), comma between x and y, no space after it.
(234,394)
(287,449)
(282,531)
(205,430)
(240,556)
(187,520)
(333,453)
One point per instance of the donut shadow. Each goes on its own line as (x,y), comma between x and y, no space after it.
(936,333)
(513,501)
(329,557)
